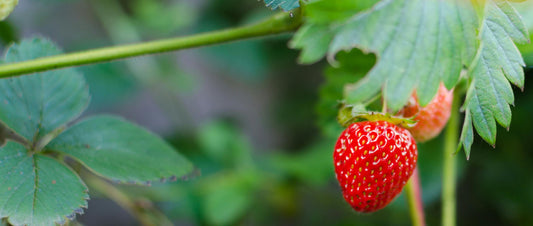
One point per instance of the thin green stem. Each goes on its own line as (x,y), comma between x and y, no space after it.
(279,23)
(7,133)
(121,29)
(416,207)
(449,164)
(43,141)
(142,209)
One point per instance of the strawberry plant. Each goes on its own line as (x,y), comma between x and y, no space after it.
(398,73)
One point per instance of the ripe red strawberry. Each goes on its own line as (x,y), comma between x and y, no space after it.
(432,118)
(373,161)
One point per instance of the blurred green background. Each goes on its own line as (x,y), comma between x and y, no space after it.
(259,128)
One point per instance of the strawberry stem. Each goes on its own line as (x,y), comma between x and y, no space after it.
(449,165)
(277,24)
(414,197)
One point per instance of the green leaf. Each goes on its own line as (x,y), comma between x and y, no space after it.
(8,33)
(323,11)
(227,200)
(297,165)
(123,152)
(110,84)
(36,104)
(225,144)
(527,52)
(497,64)
(419,43)
(314,37)
(525,9)
(286,5)
(467,137)
(36,189)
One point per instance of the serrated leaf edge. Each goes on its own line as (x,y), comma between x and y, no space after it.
(75,211)
(464,143)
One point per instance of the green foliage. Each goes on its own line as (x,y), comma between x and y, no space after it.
(313,39)
(118,150)
(420,44)
(498,62)
(286,5)
(225,145)
(40,190)
(228,58)
(277,186)
(297,165)
(8,32)
(408,58)
(40,103)
(228,187)
(163,17)
(322,19)
(228,193)
(109,84)
(525,9)
(320,11)
(37,187)
(227,199)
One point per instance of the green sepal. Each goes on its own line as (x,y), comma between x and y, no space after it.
(349,114)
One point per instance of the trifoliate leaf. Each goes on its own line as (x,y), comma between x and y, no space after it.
(497,64)
(286,5)
(123,152)
(419,43)
(36,189)
(34,105)
(6,7)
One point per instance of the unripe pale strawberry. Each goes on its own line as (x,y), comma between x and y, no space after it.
(373,161)
(432,118)
(6,7)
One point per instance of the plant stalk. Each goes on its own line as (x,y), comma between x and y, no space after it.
(449,164)
(142,210)
(279,23)
(121,29)
(414,197)
(43,141)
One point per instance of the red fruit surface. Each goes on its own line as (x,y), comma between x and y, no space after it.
(432,118)
(373,161)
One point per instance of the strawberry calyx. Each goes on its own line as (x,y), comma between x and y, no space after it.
(349,114)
